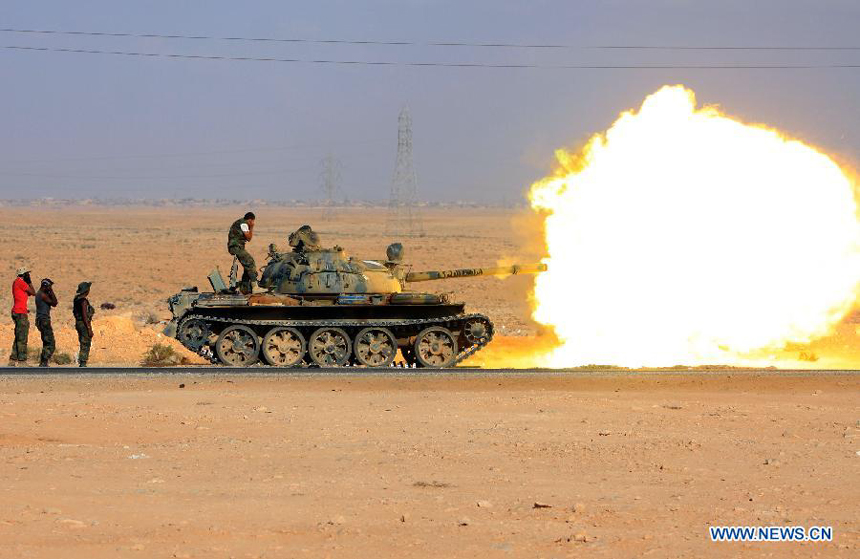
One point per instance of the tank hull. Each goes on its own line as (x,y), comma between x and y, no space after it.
(332,312)
(237,330)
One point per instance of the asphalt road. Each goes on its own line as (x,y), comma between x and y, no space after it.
(396,371)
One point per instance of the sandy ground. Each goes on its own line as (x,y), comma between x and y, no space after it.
(452,465)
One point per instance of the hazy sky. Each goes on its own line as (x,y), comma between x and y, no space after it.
(79,125)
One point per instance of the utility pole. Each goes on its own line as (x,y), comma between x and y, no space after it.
(404,217)
(330,174)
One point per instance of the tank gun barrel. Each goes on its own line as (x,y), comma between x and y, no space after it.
(471,272)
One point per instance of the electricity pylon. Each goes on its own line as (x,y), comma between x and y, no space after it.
(330,174)
(404,216)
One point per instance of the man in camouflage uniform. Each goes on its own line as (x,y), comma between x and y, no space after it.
(45,300)
(83,313)
(241,232)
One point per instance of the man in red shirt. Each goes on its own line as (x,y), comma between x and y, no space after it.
(22,288)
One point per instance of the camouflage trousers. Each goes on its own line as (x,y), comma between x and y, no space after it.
(249,267)
(22,331)
(85,341)
(48,343)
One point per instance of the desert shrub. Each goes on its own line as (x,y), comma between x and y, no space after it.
(34,354)
(62,358)
(162,355)
(148,317)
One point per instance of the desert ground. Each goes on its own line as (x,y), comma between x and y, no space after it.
(435,465)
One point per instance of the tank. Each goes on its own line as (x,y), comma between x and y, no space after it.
(322,307)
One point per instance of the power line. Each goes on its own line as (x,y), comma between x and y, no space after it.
(439,64)
(505,45)
(193,153)
(150,177)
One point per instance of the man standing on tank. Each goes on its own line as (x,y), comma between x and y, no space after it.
(22,288)
(45,300)
(241,232)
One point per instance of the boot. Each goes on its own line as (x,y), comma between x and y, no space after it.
(43,363)
(255,288)
(12,363)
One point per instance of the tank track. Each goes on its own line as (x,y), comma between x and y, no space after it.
(450,322)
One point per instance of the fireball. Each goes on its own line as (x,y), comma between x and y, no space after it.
(683,236)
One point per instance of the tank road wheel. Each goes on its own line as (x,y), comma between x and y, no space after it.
(330,347)
(238,346)
(283,347)
(375,347)
(476,331)
(435,347)
(194,333)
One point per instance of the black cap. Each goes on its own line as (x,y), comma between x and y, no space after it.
(250,215)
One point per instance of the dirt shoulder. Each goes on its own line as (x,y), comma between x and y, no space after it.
(424,466)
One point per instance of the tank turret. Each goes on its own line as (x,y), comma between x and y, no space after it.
(333,271)
(324,307)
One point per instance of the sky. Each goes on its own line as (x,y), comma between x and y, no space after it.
(91,125)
